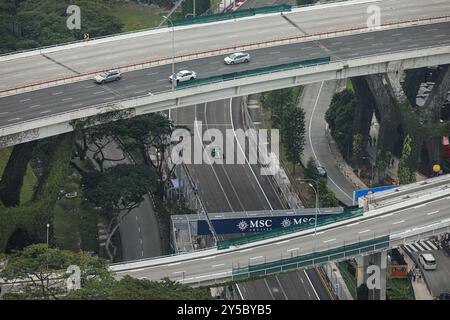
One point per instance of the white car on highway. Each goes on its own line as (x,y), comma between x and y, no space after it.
(183,75)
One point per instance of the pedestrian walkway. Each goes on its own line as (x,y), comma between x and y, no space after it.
(337,281)
(420,288)
(343,166)
(421,246)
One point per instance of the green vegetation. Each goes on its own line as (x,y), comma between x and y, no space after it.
(148,132)
(118,190)
(28,24)
(399,289)
(350,85)
(14,172)
(4,156)
(349,279)
(134,18)
(327,199)
(65,231)
(35,214)
(129,288)
(38,263)
(29,182)
(340,120)
(278,102)
(294,134)
(405,175)
(286,116)
(201,6)
(75,225)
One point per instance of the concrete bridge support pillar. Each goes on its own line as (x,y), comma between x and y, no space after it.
(372,273)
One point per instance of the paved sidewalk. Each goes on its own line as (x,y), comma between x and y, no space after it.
(339,285)
(343,166)
(420,288)
(315,100)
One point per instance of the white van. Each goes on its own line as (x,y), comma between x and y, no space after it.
(427,261)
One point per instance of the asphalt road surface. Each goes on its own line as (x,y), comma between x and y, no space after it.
(315,100)
(226,187)
(437,280)
(343,15)
(60,99)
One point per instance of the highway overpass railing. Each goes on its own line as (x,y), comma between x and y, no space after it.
(232,15)
(303,261)
(253,72)
(321,221)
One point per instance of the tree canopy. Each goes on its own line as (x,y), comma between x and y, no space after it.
(294,134)
(129,288)
(278,101)
(26,24)
(340,120)
(118,190)
(44,270)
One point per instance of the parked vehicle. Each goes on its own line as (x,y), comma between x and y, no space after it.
(427,261)
(322,172)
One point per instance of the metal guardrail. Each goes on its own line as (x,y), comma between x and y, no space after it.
(315,258)
(321,221)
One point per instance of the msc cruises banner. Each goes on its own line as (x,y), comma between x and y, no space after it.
(253,224)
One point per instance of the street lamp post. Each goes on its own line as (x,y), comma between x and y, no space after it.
(173,52)
(48,226)
(316,192)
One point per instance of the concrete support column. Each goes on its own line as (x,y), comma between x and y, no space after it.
(372,272)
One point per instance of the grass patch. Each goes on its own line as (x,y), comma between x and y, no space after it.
(4,157)
(399,289)
(136,18)
(65,228)
(350,85)
(74,222)
(29,182)
(349,279)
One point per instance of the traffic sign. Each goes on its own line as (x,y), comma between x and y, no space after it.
(86,36)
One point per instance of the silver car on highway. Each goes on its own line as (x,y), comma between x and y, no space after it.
(237,57)
(108,76)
